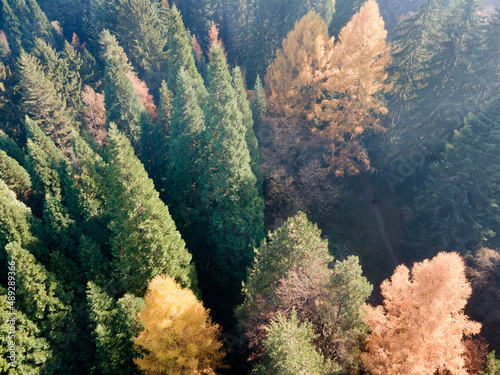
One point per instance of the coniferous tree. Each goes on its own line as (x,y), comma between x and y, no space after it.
(67,81)
(258,103)
(162,131)
(180,56)
(247,118)
(32,350)
(178,333)
(441,74)
(15,176)
(23,21)
(43,103)
(143,35)
(45,164)
(17,224)
(421,326)
(293,269)
(458,209)
(114,325)
(123,106)
(10,121)
(185,147)
(11,149)
(230,202)
(145,241)
(289,349)
(45,302)
(333,88)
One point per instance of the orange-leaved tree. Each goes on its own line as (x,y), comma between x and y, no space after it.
(178,332)
(421,326)
(333,86)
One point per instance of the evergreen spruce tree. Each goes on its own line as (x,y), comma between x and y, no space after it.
(180,56)
(23,21)
(440,76)
(247,118)
(458,208)
(289,349)
(43,300)
(162,132)
(86,192)
(123,106)
(45,163)
(139,28)
(258,103)
(42,102)
(11,149)
(31,349)
(114,325)
(230,202)
(15,176)
(10,121)
(67,81)
(185,158)
(17,224)
(145,241)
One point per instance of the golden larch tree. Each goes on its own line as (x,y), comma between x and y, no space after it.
(421,326)
(178,333)
(333,85)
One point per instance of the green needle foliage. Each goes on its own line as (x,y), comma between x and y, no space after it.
(123,106)
(458,208)
(42,102)
(145,241)
(289,349)
(247,119)
(185,156)
(23,21)
(180,56)
(258,103)
(15,176)
(231,204)
(114,325)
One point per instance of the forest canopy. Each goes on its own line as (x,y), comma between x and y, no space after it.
(250,187)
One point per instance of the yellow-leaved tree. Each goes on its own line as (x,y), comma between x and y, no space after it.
(420,328)
(178,333)
(333,86)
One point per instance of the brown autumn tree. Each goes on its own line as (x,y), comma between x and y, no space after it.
(333,86)
(420,327)
(178,333)
(94,114)
(145,97)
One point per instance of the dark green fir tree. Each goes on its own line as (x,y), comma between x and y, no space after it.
(141,31)
(23,21)
(247,118)
(230,202)
(180,56)
(43,103)
(114,325)
(258,103)
(458,208)
(123,106)
(145,241)
(185,149)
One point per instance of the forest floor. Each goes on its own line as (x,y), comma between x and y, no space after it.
(373,231)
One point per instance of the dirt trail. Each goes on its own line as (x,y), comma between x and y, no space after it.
(369,194)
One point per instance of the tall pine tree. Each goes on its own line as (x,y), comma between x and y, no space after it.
(180,55)
(145,241)
(230,201)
